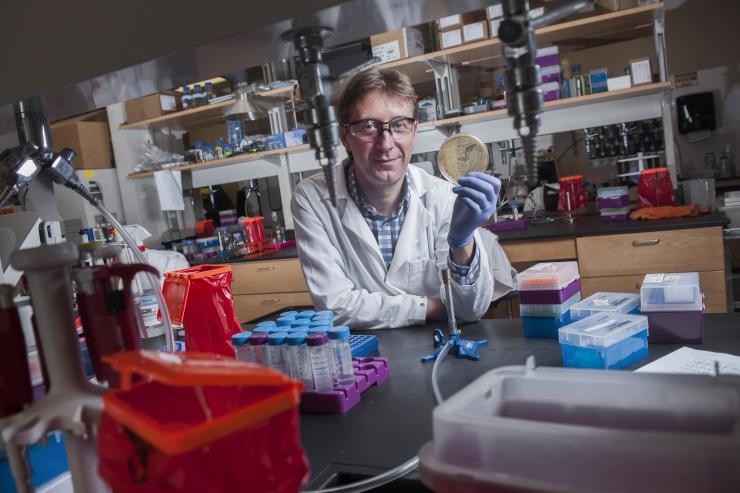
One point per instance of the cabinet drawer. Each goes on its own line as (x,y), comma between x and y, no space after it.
(712,285)
(274,276)
(684,250)
(251,306)
(540,250)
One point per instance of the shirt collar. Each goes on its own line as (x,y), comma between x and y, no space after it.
(367,210)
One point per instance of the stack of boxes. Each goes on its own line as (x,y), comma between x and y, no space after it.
(613,203)
(494,14)
(674,306)
(549,61)
(458,29)
(546,293)
(396,45)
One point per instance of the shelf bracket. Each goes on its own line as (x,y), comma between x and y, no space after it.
(446,78)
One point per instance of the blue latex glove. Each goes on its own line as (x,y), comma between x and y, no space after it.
(476,200)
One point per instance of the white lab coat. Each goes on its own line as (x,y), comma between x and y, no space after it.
(344,268)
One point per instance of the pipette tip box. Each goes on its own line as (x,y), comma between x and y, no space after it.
(547,276)
(602,301)
(604,340)
(674,306)
(550,296)
(549,310)
(545,327)
(369,372)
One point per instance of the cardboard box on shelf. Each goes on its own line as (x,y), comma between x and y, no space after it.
(89,136)
(617,83)
(450,38)
(495,11)
(459,20)
(476,31)
(151,106)
(617,4)
(493,26)
(395,45)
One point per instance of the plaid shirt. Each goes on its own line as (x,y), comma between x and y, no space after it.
(387,230)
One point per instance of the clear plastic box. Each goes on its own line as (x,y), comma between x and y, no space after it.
(627,303)
(547,275)
(672,292)
(612,192)
(554,429)
(549,310)
(604,340)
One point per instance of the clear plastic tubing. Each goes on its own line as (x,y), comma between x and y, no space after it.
(339,338)
(278,352)
(258,343)
(242,348)
(318,350)
(300,364)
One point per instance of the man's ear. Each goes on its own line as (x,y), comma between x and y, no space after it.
(343,137)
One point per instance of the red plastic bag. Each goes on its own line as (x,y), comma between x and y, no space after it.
(200,299)
(655,188)
(571,188)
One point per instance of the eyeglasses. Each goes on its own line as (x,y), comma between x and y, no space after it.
(372,129)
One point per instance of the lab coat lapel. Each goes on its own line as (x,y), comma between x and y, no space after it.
(413,238)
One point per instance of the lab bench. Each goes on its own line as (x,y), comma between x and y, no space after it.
(394,420)
(615,256)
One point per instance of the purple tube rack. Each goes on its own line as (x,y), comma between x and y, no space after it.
(550,296)
(617,217)
(613,202)
(369,372)
(508,225)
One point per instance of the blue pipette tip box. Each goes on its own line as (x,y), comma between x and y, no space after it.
(363,345)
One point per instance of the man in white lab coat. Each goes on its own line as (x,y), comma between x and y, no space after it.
(375,259)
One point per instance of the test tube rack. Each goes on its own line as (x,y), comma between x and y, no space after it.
(369,372)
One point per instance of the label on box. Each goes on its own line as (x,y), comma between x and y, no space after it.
(535,13)
(494,27)
(449,21)
(451,38)
(474,32)
(495,11)
(661,278)
(167,102)
(387,52)
(544,267)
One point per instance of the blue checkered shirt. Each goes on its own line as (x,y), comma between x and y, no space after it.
(387,230)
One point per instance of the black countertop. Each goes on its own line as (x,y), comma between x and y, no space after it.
(394,420)
(593,225)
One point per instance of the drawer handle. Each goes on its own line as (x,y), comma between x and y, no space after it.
(271,301)
(638,243)
(266,268)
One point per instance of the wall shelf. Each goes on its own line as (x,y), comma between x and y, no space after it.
(204,115)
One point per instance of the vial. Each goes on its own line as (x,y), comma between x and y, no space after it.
(283,322)
(318,350)
(301,323)
(307,314)
(300,363)
(342,354)
(242,348)
(323,315)
(320,323)
(278,352)
(258,343)
(267,323)
(291,314)
(262,330)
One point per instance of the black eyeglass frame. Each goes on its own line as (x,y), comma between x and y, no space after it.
(384,126)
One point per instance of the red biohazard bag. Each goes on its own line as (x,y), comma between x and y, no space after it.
(199,298)
(655,188)
(572,189)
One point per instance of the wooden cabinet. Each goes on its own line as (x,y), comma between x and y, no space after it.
(263,287)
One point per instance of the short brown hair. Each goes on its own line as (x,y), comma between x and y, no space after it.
(387,80)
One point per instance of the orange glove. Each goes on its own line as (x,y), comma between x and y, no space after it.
(667,211)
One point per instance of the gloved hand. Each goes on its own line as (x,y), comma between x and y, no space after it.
(476,200)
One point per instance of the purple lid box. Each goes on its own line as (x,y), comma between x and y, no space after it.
(685,327)
(550,296)
(508,225)
(616,217)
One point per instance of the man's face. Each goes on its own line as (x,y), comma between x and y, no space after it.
(381,161)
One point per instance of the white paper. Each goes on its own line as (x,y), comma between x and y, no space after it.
(451,38)
(695,362)
(474,32)
(495,11)
(450,20)
(169,189)
(387,52)
(641,73)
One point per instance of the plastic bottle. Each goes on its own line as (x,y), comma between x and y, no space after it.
(258,343)
(199,97)
(318,350)
(242,348)
(210,92)
(279,228)
(187,98)
(278,352)
(218,148)
(300,363)
(342,353)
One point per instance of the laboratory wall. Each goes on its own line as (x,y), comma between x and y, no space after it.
(702,37)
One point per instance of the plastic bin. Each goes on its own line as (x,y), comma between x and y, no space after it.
(556,429)
(545,327)
(605,340)
(200,424)
(550,296)
(548,275)
(627,303)
(549,310)
(686,327)
(672,292)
